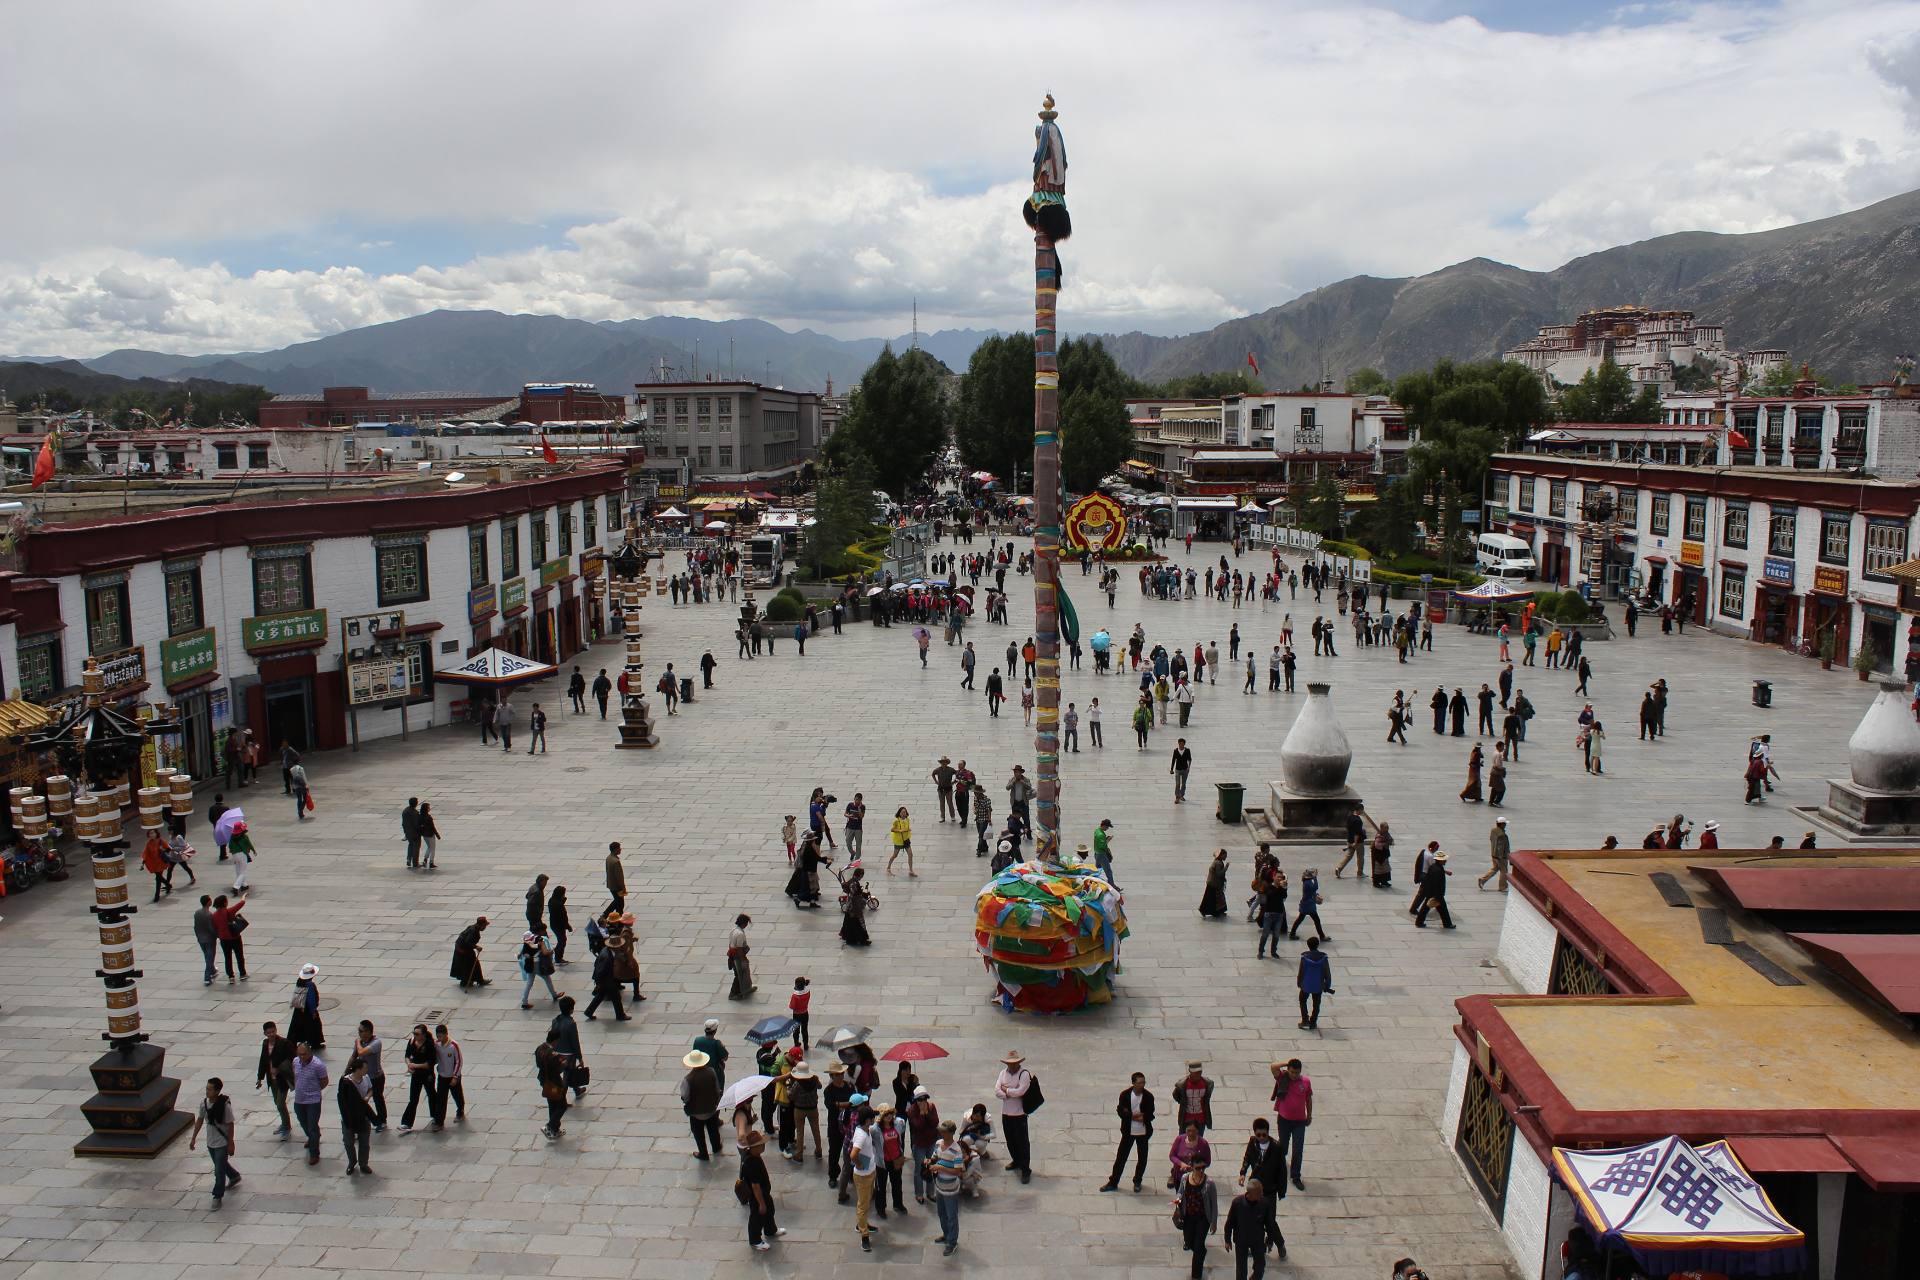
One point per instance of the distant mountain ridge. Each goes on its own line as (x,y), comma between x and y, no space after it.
(1839,292)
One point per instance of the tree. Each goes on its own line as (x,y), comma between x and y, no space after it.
(1695,377)
(842,514)
(897,417)
(1606,394)
(1368,381)
(993,423)
(1779,380)
(1502,396)
(1320,509)
(1095,438)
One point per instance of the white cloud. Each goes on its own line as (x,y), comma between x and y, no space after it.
(829,165)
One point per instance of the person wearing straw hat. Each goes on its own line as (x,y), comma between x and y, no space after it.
(803,1101)
(1011,1088)
(1709,836)
(700,1099)
(303,1026)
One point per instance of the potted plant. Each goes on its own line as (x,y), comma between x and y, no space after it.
(1826,649)
(1865,659)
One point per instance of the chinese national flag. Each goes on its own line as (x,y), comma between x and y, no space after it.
(1253,364)
(43,465)
(1738,439)
(546,450)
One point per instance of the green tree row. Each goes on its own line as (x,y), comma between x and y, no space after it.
(203,404)
(993,424)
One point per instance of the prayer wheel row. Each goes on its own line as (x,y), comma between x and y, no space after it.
(110,896)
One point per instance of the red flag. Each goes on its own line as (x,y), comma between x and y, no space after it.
(1254,363)
(43,465)
(1738,439)
(546,450)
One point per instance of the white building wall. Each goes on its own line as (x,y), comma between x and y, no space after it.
(1456,1094)
(1527,942)
(1529,1193)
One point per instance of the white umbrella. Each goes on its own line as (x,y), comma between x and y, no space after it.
(874,591)
(740,1090)
(899,586)
(716,524)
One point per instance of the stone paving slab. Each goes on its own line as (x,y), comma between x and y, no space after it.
(700,818)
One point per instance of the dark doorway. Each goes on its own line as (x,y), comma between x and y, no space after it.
(290,714)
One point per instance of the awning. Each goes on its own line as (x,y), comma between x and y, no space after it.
(1677,1207)
(496,669)
(1799,1154)
(671,513)
(1205,504)
(1492,591)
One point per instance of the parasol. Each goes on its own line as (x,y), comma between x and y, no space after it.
(223,829)
(874,591)
(913,1051)
(844,1036)
(740,1090)
(496,669)
(767,1030)
(715,525)
(921,633)
(899,586)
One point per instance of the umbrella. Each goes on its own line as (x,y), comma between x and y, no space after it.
(966,590)
(874,591)
(767,1030)
(740,1090)
(921,633)
(223,829)
(913,1051)
(899,586)
(716,524)
(844,1036)
(496,669)
(671,513)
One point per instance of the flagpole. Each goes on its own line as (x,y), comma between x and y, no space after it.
(1046,213)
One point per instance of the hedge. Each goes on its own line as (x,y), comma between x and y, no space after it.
(785,608)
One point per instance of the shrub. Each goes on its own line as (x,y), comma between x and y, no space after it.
(785,608)
(1353,550)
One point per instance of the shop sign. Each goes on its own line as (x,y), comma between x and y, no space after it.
(1693,554)
(513,595)
(671,491)
(122,669)
(482,601)
(592,563)
(186,657)
(1498,515)
(274,629)
(554,570)
(377,680)
(1777,572)
(1829,581)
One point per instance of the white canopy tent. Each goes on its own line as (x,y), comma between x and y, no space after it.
(496,669)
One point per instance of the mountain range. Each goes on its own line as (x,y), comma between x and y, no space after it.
(1838,292)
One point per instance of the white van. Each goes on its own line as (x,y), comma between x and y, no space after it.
(1500,555)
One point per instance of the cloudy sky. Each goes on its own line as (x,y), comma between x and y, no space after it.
(227,175)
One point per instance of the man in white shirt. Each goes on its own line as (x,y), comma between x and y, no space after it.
(863,1158)
(1011,1089)
(1135,1110)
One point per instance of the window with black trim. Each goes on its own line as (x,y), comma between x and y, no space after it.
(41,673)
(1733,525)
(183,599)
(509,549)
(1627,506)
(282,583)
(563,517)
(1836,537)
(257,457)
(477,556)
(1733,593)
(400,570)
(590,522)
(227,456)
(1660,519)
(1526,495)
(108,626)
(538,539)
(1782,526)
(1697,519)
(1557,499)
(1886,547)
(419,655)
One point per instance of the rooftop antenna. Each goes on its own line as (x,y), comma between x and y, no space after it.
(732,369)
(696,359)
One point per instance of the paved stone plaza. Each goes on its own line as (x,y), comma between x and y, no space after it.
(620,1195)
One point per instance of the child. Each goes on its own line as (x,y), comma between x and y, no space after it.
(791,834)
(797,1005)
(976,1137)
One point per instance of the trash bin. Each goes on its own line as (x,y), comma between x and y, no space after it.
(1763,693)
(686,688)
(1232,795)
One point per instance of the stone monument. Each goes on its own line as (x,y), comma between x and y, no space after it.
(636,717)
(1312,801)
(1881,798)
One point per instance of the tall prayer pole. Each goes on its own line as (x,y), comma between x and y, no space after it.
(1046,213)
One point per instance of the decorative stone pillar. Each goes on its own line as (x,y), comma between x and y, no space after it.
(133,1114)
(636,716)
(1312,801)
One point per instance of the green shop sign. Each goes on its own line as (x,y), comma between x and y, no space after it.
(513,595)
(184,657)
(270,631)
(553,570)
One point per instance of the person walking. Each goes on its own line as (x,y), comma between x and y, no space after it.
(1264,1161)
(205,935)
(1019,795)
(1196,1211)
(466,956)
(1193,1099)
(1293,1110)
(1011,1088)
(902,834)
(297,779)
(996,693)
(1181,765)
(1310,901)
(1314,979)
(1213,897)
(836,1096)
(943,776)
(1433,892)
(577,1074)
(559,923)
(616,877)
(602,690)
(1246,1232)
(1273,913)
(356,1117)
(550,1066)
(1135,1109)
(449,1074)
(1103,850)
(410,830)
(503,722)
(309,1083)
(421,1059)
(288,758)
(536,965)
(1070,727)
(700,1099)
(1499,850)
(1093,723)
(606,984)
(368,1049)
(276,1074)
(537,730)
(762,1229)
(1142,722)
(577,692)
(737,961)
(216,1117)
(536,899)
(944,1168)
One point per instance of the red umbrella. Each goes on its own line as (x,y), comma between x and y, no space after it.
(913,1051)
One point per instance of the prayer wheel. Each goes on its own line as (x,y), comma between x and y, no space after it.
(32,820)
(153,807)
(86,816)
(110,879)
(60,796)
(116,947)
(106,825)
(116,795)
(14,796)
(181,785)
